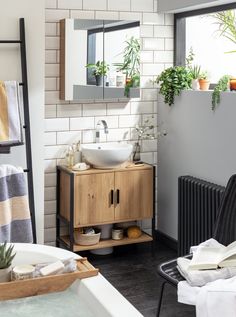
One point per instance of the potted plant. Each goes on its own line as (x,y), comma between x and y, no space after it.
(6,258)
(222,85)
(100,70)
(195,72)
(204,82)
(131,64)
(172,81)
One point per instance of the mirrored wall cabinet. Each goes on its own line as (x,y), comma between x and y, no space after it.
(99,59)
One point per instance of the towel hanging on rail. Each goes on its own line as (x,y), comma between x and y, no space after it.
(15,220)
(10,118)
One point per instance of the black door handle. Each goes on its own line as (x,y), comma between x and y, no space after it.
(112,197)
(118,196)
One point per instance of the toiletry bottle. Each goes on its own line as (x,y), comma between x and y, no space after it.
(77,153)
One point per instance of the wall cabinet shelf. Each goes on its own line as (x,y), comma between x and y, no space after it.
(96,197)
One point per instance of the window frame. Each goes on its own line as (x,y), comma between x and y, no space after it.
(180,29)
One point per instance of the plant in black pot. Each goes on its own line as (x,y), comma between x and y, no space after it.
(99,70)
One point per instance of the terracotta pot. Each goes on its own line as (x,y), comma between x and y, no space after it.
(5,275)
(232,84)
(204,84)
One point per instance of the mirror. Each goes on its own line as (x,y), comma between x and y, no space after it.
(99,59)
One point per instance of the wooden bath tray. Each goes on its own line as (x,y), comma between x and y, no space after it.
(46,284)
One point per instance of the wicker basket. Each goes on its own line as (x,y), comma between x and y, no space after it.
(87,239)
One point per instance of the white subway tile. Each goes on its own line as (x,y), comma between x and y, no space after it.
(118,108)
(129,121)
(95,4)
(56,124)
(118,135)
(68,137)
(155,157)
(112,121)
(169,19)
(52,43)
(153,118)
(88,136)
(164,31)
(169,44)
(49,235)
(54,15)
(51,70)
(50,138)
(149,145)
(76,14)
(139,107)
(50,207)
(146,82)
(72,4)
(133,16)
(82,123)
(50,179)
(152,69)
(153,18)
(147,223)
(153,44)
(111,15)
(142,5)
(52,97)
(147,157)
(53,152)
(50,111)
(50,56)
(155,6)
(96,109)
(149,94)
(121,5)
(164,57)
(146,30)
(69,110)
(50,4)
(49,221)
(146,56)
(50,166)
(50,193)
(50,84)
(50,29)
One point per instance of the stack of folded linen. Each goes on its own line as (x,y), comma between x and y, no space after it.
(10,118)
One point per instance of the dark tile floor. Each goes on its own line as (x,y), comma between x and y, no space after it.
(133,271)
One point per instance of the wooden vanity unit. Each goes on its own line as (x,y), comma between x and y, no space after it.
(96,197)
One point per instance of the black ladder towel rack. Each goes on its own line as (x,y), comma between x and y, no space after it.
(26,126)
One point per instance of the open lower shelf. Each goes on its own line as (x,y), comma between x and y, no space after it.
(108,243)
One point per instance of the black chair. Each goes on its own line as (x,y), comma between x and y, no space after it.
(225,233)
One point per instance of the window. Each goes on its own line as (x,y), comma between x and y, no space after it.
(202,31)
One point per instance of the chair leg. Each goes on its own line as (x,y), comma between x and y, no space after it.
(160,299)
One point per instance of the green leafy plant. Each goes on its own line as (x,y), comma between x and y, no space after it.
(226,22)
(172,81)
(6,255)
(203,75)
(222,85)
(101,68)
(195,71)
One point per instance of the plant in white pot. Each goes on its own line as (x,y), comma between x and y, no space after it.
(6,257)
(195,72)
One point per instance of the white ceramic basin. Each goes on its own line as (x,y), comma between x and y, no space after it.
(106,155)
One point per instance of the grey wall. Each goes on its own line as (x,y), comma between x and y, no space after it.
(185,5)
(199,143)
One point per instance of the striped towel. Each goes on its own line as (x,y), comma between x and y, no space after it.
(15,221)
(10,120)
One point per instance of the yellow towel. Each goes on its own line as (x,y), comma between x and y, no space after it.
(4,123)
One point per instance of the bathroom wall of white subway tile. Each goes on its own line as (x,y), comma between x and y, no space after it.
(69,122)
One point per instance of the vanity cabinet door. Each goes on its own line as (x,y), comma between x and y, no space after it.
(134,194)
(93,199)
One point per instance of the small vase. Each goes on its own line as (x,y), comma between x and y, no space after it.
(136,155)
(232,84)
(204,84)
(100,80)
(195,84)
(5,275)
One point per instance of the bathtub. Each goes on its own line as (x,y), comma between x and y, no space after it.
(102,299)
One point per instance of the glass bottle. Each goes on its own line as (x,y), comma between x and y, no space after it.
(137,150)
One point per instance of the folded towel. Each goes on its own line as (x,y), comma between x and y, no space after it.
(10,119)
(15,220)
(187,294)
(201,278)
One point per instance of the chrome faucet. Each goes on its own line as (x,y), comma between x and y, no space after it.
(98,128)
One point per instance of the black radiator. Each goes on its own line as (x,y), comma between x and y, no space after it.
(198,204)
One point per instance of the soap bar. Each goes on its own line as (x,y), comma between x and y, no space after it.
(22,272)
(53,268)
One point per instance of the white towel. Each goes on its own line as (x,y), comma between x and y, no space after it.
(12,119)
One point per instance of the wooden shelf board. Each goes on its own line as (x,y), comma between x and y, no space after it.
(108,243)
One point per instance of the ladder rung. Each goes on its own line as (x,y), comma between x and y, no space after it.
(10,42)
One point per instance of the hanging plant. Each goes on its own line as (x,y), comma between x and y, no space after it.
(172,81)
(222,85)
